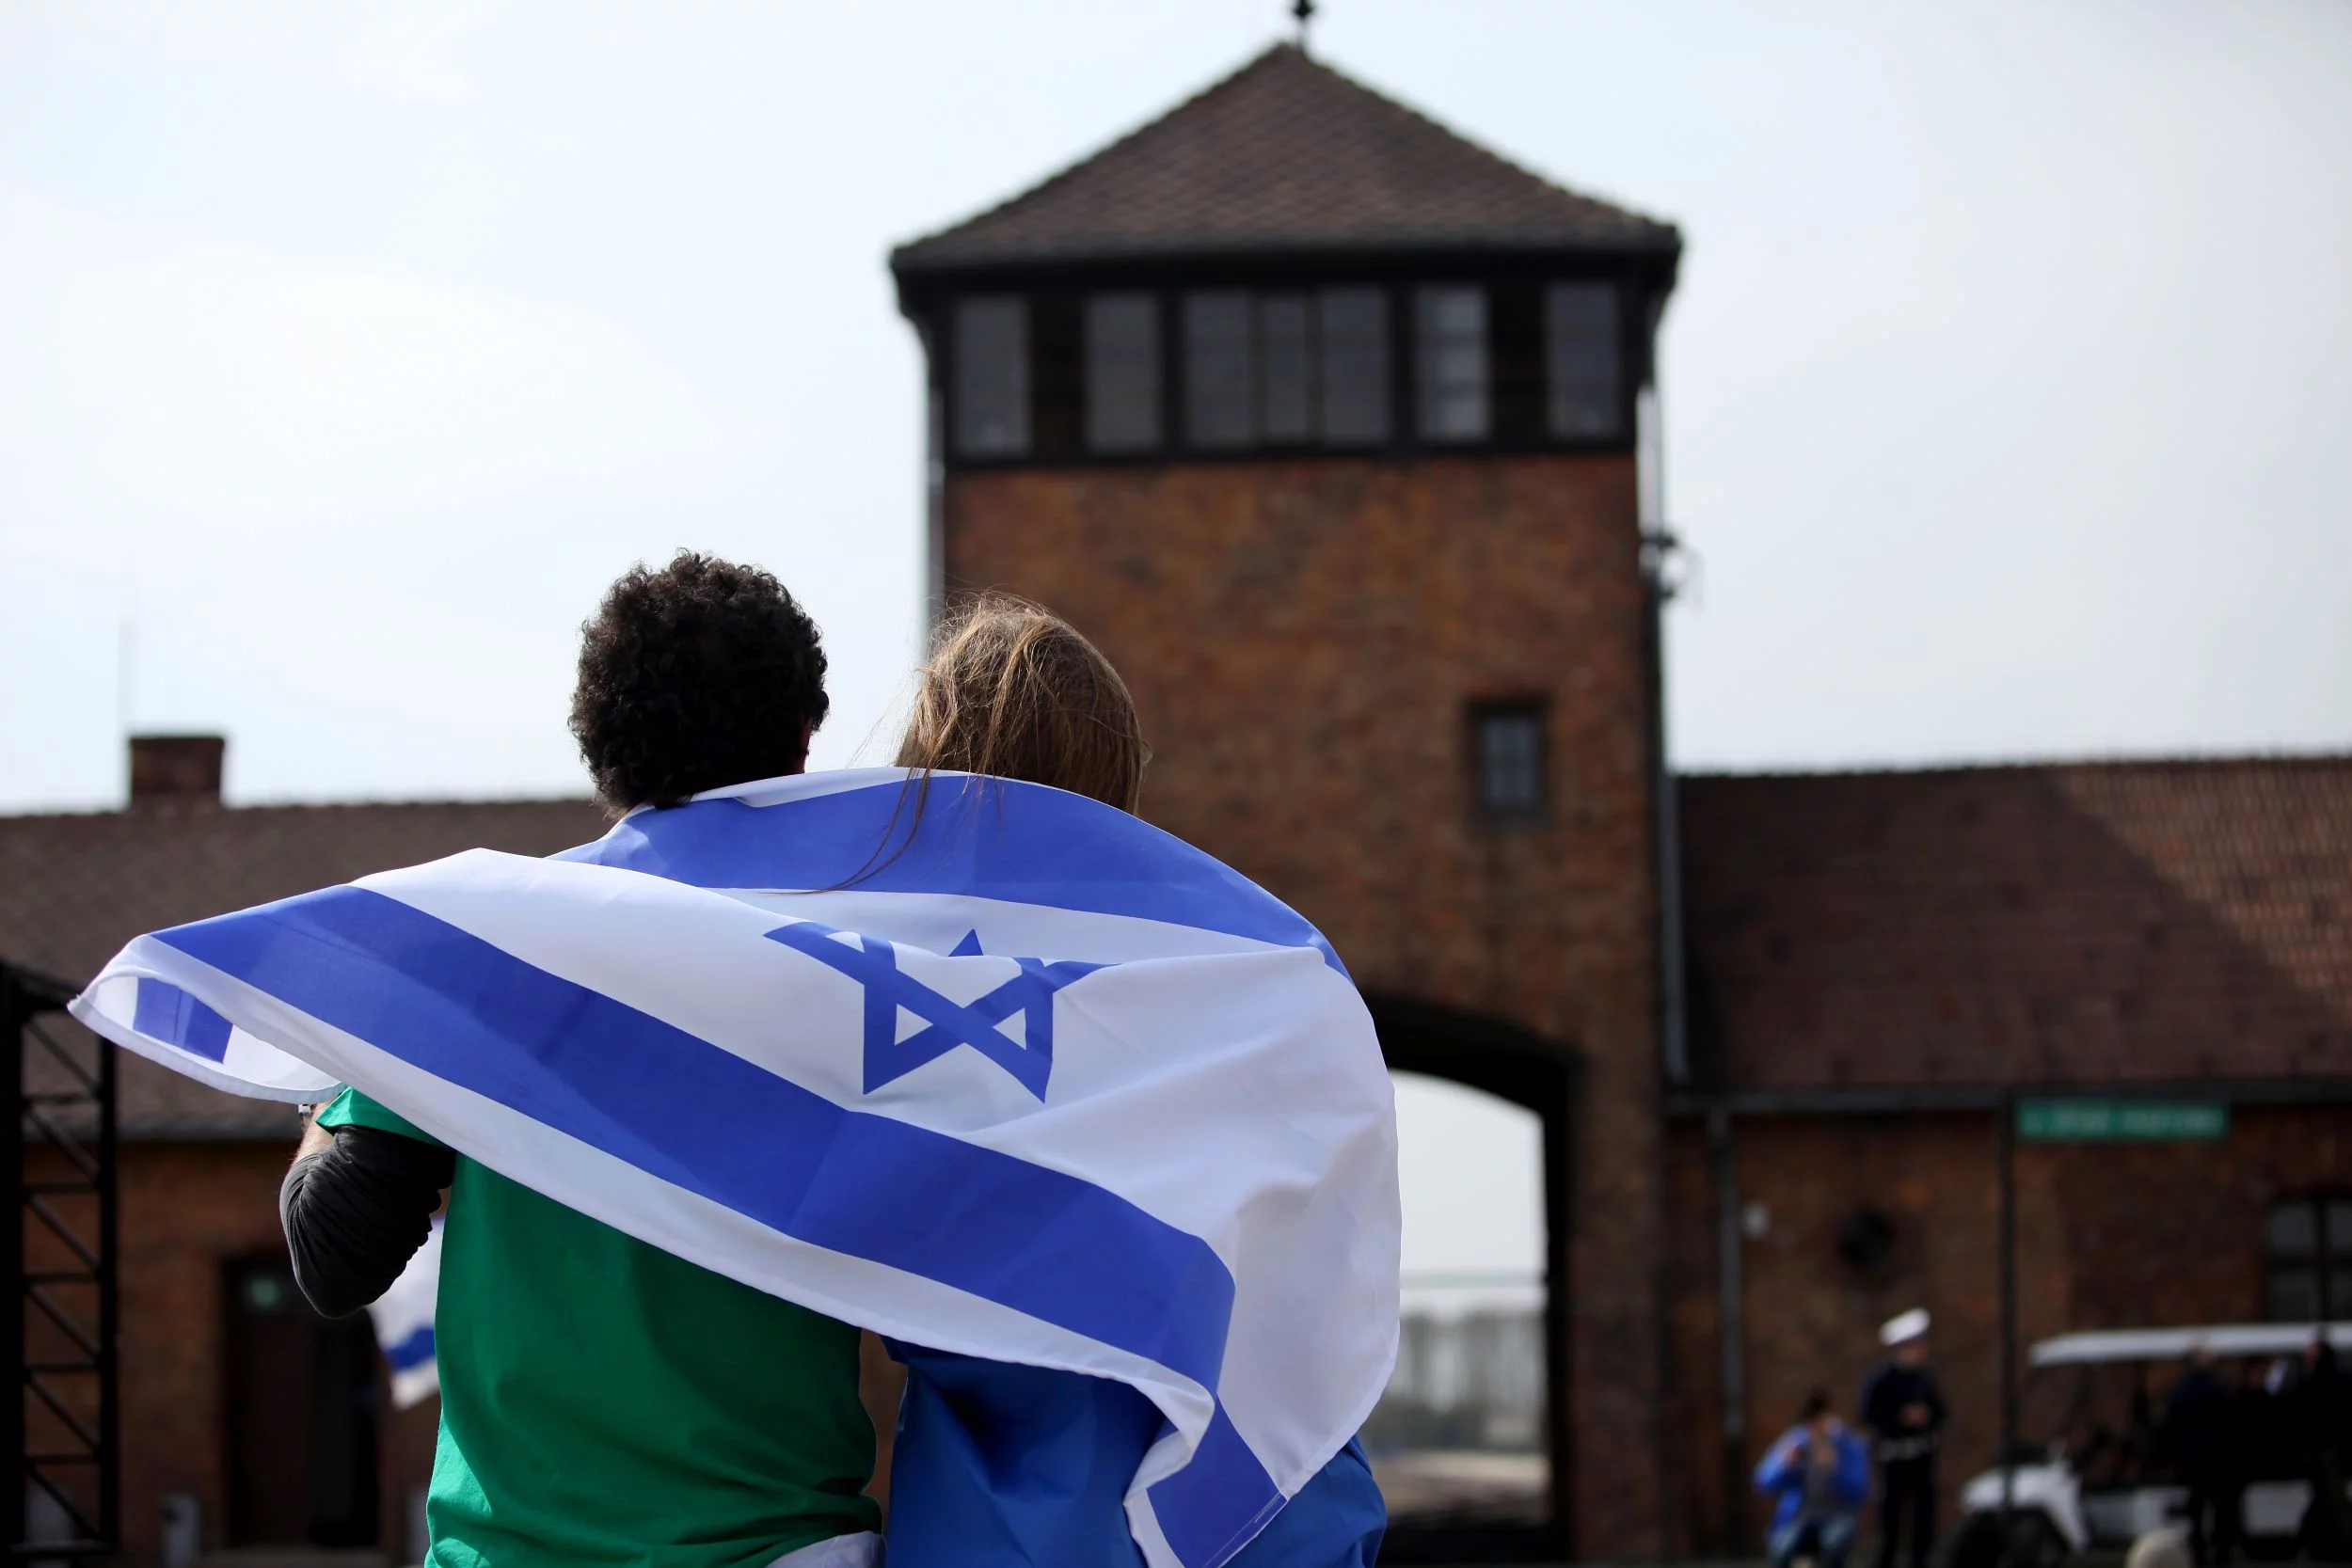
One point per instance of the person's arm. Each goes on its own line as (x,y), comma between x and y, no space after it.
(357,1204)
(1781,1467)
(2164,1438)
(1852,1480)
(1866,1411)
(882,1387)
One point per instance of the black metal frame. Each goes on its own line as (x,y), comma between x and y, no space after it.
(2326,1259)
(82,1474)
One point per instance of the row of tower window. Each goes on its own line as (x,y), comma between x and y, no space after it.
(1259,368)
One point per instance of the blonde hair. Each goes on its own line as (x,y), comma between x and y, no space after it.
(1013,690)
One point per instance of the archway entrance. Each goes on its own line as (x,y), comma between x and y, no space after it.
(1470,1441)
(1458,1439)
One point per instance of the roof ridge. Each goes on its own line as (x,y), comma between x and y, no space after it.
(1285,151)
(182,810)
(2211,762)
(1063,173)
(1491,154)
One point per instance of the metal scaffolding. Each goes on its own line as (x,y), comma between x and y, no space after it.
(59,1306)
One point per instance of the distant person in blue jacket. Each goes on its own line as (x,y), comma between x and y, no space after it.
(1819,1471)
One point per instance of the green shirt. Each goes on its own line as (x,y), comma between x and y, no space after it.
(604,1401)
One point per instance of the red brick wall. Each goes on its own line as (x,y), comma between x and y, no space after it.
(2108,1236)
(1302,639)
(1698,1523)
(188,1210)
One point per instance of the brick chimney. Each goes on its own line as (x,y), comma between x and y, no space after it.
(176,768)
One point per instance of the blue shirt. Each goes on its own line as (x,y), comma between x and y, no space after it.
(999,1465)
(1786,1473)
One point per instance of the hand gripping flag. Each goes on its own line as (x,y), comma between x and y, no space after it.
(980,1065)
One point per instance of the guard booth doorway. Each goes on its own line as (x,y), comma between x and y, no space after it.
(1467,1439)
(303,1397)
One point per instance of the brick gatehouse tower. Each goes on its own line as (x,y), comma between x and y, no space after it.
(1326,425)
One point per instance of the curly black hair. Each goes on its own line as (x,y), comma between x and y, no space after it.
(703,673)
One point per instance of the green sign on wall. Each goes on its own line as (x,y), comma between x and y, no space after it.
(2122,1120)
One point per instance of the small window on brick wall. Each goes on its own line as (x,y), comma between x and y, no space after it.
(2311,1260)
(1508,754)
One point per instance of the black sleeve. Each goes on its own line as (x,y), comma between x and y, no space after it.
(355,1211)
(2166,1436)
(1867,1408)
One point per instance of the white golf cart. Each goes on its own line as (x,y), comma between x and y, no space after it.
(2089,1485)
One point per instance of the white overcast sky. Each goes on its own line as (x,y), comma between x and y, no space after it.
(346,353)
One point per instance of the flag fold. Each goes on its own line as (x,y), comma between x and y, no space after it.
(981,1065)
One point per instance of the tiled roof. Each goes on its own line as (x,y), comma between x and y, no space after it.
(74,889)
(2073,924)
(1285,154)
(2113,922)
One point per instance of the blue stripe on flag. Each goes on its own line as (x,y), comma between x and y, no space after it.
(167,1013)
(1042,1243)
(983,838)
(1199,1507)
(414,1350)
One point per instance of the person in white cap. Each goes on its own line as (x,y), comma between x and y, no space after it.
(1904,1410)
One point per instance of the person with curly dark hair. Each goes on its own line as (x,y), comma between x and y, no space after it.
(703,673)
(603,1400)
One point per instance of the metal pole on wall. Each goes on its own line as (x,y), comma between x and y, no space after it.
(1730,1307)
(2008,1113)
(109,1306)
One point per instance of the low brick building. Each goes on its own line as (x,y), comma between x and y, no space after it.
(235,1395)
(1883,965)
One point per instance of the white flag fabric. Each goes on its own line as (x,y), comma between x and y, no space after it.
(980,1065)
(403,1316)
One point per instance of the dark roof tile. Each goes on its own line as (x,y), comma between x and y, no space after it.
(2080,924)
(1285,154)
(74,889)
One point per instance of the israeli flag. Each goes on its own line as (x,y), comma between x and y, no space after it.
(981,1065)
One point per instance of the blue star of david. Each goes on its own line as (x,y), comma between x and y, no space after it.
(873,965)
